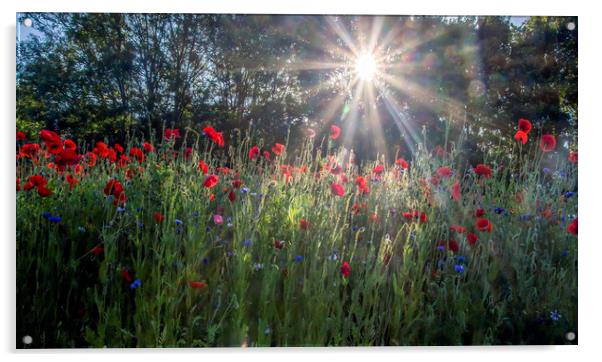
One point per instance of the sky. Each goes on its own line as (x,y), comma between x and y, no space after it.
(24,32)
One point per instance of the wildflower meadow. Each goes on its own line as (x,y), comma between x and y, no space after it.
(153,244)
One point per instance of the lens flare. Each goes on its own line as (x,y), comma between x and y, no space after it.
(365,66)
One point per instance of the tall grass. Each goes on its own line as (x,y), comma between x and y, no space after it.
(518,285)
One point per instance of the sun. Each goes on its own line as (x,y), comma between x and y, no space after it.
(366,66)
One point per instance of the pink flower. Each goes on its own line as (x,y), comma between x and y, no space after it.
(218,219)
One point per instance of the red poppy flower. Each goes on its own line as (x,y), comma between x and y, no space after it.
(223,170)
(148,147)
(548,143)
(378,169)
(253,152)
(335,132)
(434,180)
(53,141)
(345,269)
(483,170)
(471,238)
(453,246)
(524,125)
(18,184)
(373,217)
(71,180)
(21,136)
(439,151)
(29,150)
(169,133)
(266,155)
(97,250)
(125,275)
(90,159)
(521,137)
(236,183)
(479,212)
(117,147)
(402,163)
(197,285)
(456,191)
(120,199)
(483,225)
(573,157)
(216,137)
(278,244)
(572,228)
(158,216)
(407,215)
(337,189)
(113,187)
(444,172)
(232,196)
(187,153)
(457,228)
(66,158)
(277,149)
(43,191)
(137,153)
(422,217)
(35,181)
(101,149)
(304,224)
(211,181)
(203,167)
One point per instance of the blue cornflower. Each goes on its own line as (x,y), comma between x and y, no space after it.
(564,253)
(333,257)
(120,209)
(244,190)
(55,219)
(46,215)
(110,198)
(135,284)
(441,248)
(461,259)
(178,230)
(568,194)
(546,170)
(459,268)
(554,315)
(81,229)
(299,258)
(140,224)
(258,266)
(138,209)
(355,228)
(247,243)
(195,213)
(205,261)
(230,253)
(179,222)
(498,210)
